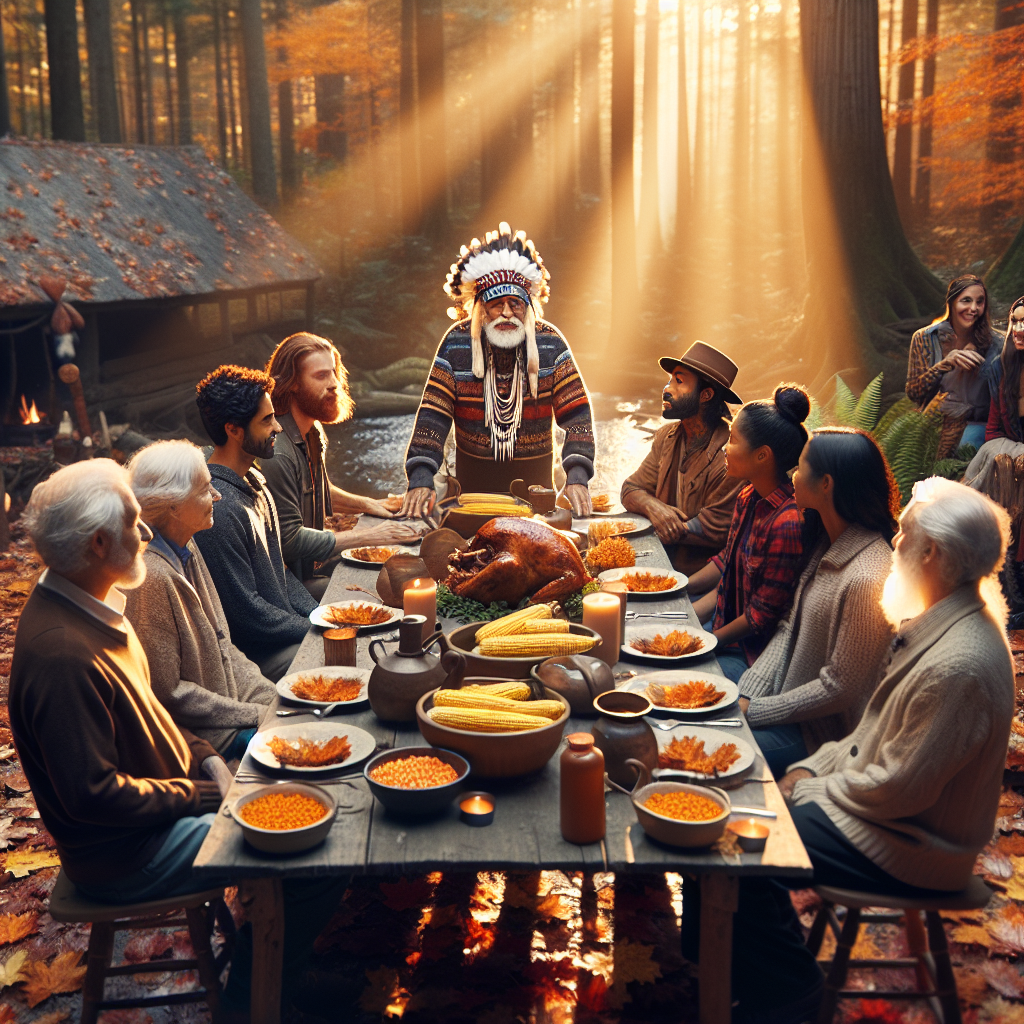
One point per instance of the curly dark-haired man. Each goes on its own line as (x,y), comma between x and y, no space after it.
(266,606)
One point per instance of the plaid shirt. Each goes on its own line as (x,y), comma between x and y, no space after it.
(761,564)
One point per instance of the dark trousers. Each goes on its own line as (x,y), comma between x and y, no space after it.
(771,965)
(781,746)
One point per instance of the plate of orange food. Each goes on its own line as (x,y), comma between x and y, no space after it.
(365,615)
(644,582)
(329,684)
(373,556)
(686,693)
(667,642)
(692,751)
(311,747)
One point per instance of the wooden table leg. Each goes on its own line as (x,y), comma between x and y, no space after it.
(263,899)
(718,900)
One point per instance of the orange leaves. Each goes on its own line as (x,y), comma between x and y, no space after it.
(14,927)
(23,862)
(62,974)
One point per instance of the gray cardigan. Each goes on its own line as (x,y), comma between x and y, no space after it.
(204,681)
(827,654)
(916,785)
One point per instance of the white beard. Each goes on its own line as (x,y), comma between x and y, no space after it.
(505,338)
(134,570)
(902,596)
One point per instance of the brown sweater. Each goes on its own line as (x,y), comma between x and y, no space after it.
(107,766)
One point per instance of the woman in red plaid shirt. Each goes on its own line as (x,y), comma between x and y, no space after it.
(757,570)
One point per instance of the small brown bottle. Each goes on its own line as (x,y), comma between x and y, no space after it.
(582,790)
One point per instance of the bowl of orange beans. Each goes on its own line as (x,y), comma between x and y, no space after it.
(416,782)
(681,814)
(285,818)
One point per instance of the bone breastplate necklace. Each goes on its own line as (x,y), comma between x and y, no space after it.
(503,414)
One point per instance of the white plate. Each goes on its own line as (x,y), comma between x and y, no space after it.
(615,509)
(284,685)
(728,698)
(316,616)
(639,524)
(681,579)
(397,549)
(668,625)
(713,739)
(363,744)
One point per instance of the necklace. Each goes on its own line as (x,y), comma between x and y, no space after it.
(503,415)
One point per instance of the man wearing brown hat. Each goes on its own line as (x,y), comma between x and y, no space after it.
(681,486)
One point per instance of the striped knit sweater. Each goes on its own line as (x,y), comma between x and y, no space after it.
(452,393)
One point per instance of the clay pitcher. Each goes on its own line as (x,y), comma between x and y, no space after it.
(579,678)
(541,498)
(399,679)
(622,734)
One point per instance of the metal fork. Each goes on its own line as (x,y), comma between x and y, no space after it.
(657,615)
(317,712)
(671,723)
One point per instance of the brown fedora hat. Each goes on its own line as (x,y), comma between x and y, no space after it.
(708,362)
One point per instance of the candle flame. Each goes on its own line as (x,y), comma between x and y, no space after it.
(29,414)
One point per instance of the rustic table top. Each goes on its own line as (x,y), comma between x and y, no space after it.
(525,834)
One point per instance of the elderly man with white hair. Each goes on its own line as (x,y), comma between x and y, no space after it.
(905,803)
(206,683)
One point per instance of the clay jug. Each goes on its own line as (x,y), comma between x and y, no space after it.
(579,678)
(541,498)
(399,679)
(622,734)
(581,790)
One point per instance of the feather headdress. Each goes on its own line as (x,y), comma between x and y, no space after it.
(503,264)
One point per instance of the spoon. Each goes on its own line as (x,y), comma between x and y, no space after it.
(318,712)
(657,615)
(668,723)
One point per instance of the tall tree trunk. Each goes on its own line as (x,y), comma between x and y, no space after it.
(902,171)
(923,188)
(147,75)
(22,77)
(233,97)
(849,205)
(5,104)
(218,74)
(102,77)
(590,99)
(168,88)
(1004,108)
(700,139)
(625,290)
(286,115)
(683,194)
(430,74)
(37,62)
(563,193)
(407,135)
(140,100)
(741,239)
(67,115)
(261,140)
(649,230)
(887,91)
(182,59)
(783,118)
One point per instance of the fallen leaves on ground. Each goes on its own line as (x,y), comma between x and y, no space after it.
(42,980)
(11,968)
(23,862)
(14,927)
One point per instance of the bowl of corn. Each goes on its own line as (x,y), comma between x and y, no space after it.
(681,814)
(286,817)
(500,728)
(507,648)
(416,782)
(467,512)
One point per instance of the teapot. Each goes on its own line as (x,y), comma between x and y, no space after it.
(579,678)
(399,679)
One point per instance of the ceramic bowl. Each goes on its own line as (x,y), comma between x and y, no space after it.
(292,840)
(681,833)
(496,755)
(417,803)
(463,640)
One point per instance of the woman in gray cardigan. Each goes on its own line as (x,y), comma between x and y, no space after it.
(204,681)
(814,679)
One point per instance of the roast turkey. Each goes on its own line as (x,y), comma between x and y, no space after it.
(511,558)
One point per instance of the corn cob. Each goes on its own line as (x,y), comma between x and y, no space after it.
(542,626)
(512,690)
(506,624)
(482,497)
(461,699)
(480,720)
(539,645)
(491,509)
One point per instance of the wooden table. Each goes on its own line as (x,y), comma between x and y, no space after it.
(525,835)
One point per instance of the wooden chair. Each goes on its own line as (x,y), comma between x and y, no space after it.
(197,910)
(929,955)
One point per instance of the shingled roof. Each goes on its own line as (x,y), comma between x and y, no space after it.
(124,223)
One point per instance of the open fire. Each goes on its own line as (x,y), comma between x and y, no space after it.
(29,414)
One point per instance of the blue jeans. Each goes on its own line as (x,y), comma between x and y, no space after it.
(731,660)
(236,748)
(781,746)
(974,433)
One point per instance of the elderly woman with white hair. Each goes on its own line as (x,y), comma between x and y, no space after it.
(205,682)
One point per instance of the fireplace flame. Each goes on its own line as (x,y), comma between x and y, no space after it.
(29,414)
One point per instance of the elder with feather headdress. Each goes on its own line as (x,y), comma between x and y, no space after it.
(504,377)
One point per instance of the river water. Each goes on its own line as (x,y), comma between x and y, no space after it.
(367,456)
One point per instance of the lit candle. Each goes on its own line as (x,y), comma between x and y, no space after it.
(420,598)
(621,591)
(476,805)
(477,809)
(602,613)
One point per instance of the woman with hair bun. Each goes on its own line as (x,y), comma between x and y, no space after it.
(757,570)
(814,679)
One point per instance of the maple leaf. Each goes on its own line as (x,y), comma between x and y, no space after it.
(633,963)
(382,992)
(42,980)
(14,927)
(1004,978)
(23,862)
(10,833)
(555,906)
(999,1011)
(404,895)
(972,934)
(11,969)
(971,987)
